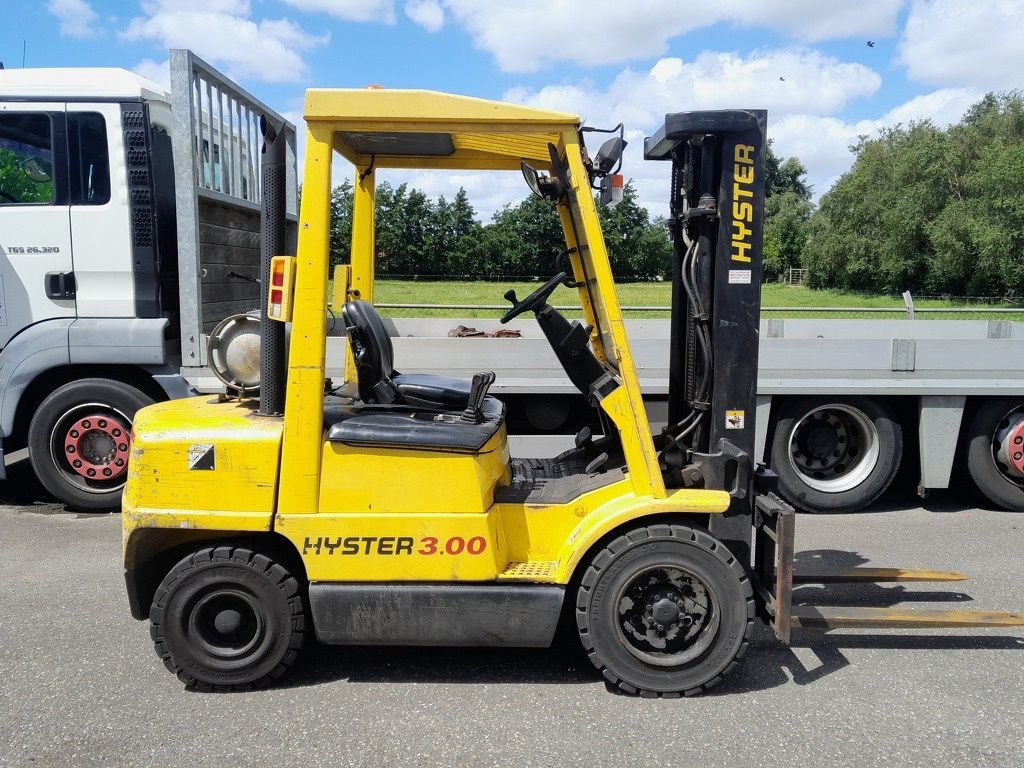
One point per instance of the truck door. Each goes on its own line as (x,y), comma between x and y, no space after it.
(36,270)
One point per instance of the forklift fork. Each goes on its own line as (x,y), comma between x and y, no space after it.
(774,577)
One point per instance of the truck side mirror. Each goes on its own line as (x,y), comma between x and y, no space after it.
(38,170)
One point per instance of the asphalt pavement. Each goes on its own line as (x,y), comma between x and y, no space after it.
(81,686)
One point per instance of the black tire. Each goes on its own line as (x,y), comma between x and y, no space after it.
(54,420)
(245,602)
(997,482)
(605,613)
(835,454)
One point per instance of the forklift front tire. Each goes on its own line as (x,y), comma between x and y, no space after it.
(227,619)
(665,611)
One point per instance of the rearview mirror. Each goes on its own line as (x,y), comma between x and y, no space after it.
(540,184)
(532,177)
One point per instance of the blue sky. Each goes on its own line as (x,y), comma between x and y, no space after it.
(807,61)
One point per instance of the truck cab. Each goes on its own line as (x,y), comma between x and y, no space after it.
(124,209)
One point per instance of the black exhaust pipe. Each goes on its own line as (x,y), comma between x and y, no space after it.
(273,373)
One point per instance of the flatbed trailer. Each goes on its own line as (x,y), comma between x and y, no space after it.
(929,378)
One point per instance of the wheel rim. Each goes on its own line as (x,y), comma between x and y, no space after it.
(667,616)
(90,445)
(227,625)
(834,448)
(1008,446)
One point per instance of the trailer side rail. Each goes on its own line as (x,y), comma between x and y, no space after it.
(216,141)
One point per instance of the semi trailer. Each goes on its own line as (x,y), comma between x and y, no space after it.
(842,405)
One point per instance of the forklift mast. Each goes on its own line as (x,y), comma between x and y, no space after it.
(717,218)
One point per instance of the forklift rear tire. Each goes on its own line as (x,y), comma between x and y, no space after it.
(79,441)
(835,455)
(665,611)
(227,619)
(995,449)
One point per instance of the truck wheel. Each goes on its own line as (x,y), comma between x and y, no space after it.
(835,455)
(227,619)
(995,452)
(665,611)
(79,441)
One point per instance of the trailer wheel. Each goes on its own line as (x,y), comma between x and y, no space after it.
(79,441)
(995,452)
(227,619)
(835,455)
(665,611)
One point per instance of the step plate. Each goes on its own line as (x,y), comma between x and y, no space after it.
(834,617)
(534,570)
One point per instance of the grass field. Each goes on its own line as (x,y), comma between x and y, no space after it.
(781,297)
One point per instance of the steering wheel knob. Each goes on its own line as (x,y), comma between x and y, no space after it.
(510,295)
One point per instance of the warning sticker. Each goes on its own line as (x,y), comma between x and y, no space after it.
(201,456)
(739,277)
(734,419)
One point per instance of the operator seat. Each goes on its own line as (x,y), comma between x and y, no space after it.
(379,382)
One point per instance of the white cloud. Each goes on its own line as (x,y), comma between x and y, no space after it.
(801,108)
(235,7)
(76,17)
(530,34)
(814,20)
(427,13)
(823,143)
(350,10)
(787,80)
(158,72)
(956,43)
(222,32)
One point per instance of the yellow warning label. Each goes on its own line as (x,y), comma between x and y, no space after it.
(734,419)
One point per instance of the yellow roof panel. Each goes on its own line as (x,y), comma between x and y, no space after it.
(428,129)
(389,107)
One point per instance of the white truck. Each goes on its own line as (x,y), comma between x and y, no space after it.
(129,227)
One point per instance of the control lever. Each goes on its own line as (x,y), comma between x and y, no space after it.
(585,438)
(596,463)
(474,413)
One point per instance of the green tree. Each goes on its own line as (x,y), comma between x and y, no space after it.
(784,174)
(15,184)
(341,223)
(523,239)
(452,235)
(929,209)
(787,210)
(637,247)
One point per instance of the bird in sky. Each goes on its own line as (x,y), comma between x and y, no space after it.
(871,43)
(782,79)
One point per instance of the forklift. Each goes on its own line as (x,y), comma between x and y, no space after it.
(386,510)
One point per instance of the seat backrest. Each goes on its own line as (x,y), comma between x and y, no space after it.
(372,351)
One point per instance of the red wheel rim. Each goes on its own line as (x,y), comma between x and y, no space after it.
(97,447)
(1014,442)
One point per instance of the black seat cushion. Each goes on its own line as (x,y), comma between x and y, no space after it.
(406,427)
(429,390)
(375,366)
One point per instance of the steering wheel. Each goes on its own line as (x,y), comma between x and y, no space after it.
(534,301)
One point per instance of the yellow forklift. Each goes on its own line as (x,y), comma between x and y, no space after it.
(387,509)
